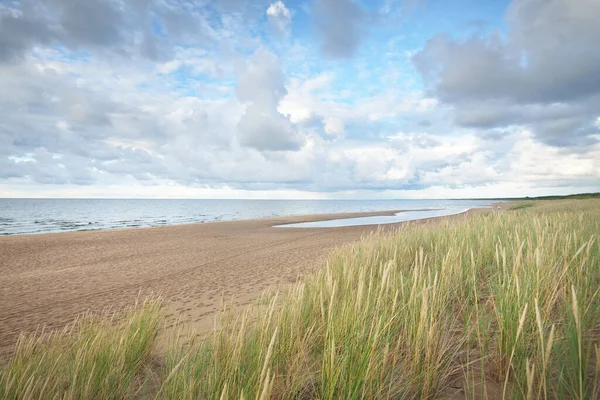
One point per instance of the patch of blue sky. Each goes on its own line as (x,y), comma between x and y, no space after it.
(158,28)
(365,73)
(62,54)
(27,157)
(384,58)
(199,73)
(369,132)
(458,18)
(301,22)
(191,87)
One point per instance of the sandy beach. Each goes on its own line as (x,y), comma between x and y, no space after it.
(49,279)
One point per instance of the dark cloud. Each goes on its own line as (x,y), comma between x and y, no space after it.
(557,124)
(20,30)
(90,22)
(489,114)
(340,25)
(543,74)
(145,28)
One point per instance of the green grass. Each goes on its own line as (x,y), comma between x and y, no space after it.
(578,196)
(497,305)
(94,358)
(521,205)
(505,304)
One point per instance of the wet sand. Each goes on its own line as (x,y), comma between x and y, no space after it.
(49,279)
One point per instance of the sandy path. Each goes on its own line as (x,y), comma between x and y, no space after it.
(49,279)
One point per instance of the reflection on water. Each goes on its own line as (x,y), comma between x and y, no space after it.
(379,220)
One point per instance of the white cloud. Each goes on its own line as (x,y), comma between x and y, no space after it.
(527,74)
(301,102)
(532,161)
(168,67)
(234,113)
(334,126)
(261,85)
(314,99)
(475,170)
(280,18)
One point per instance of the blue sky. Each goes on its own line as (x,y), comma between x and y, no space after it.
(299,99)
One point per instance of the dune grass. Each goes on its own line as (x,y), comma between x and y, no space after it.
(501,305)
(495,305)
(94,358)
(521,205)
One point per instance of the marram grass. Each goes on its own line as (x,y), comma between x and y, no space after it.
(495,305)
(91,359)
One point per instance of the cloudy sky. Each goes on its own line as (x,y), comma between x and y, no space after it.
(299,98)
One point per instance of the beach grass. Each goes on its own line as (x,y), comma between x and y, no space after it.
(496,305)
(94,358)
(493,305)
(520,205)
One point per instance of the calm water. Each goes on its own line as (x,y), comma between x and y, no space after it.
(380,220)
(25,216)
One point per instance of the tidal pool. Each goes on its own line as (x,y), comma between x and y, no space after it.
(379,220)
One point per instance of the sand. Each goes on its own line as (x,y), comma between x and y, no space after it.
(49,279)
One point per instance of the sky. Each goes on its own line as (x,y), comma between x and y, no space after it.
(299,99)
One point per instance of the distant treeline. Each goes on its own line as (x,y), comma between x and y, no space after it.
(570,196)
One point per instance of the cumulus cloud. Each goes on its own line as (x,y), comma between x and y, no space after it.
(550,60)
(340,25)
(280,18)
(123,29)
(104,127)
(311,101)
(178,98)
(21,30)
(261,85)
(543,74)
(334,126)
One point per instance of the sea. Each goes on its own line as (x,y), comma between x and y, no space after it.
(34,216)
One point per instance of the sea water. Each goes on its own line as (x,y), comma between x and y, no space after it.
(27,216)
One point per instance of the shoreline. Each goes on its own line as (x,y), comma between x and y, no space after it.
(49,279)
(295,218)
(39,221)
